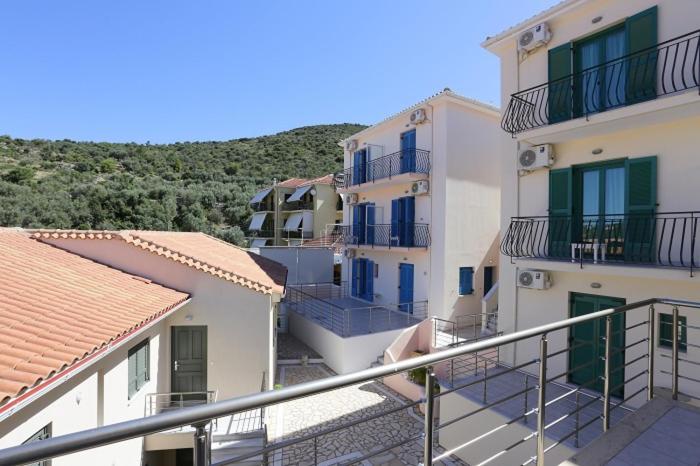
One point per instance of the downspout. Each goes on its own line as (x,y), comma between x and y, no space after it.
(517,214)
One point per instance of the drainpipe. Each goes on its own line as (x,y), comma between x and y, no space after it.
(517,214)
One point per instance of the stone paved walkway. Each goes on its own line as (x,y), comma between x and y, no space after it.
(323,411)
(289,347)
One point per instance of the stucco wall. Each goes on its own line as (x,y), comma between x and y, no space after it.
(239,320)
(304,265)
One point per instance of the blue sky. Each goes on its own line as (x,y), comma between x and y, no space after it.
(164,71)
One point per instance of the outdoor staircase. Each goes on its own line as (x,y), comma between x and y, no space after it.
(378,362)
(228,446)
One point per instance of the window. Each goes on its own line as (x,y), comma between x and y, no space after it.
(466,280)
(41,435)
(139,367)
(666,332)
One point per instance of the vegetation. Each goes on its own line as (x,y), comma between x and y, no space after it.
(188,186)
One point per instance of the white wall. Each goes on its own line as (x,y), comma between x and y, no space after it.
(304,264)
(239,321)
(94,397)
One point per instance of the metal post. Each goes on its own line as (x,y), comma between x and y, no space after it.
(608,366)
(485,375)
(200,454)
(452,372)
(650,353)
(675,354)
(429,400)
(370,319)
(541,400)
(576,421)
(527,383)
(315,450)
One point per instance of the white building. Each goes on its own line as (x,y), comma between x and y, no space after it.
(101,327)
(599,169)
(420,226)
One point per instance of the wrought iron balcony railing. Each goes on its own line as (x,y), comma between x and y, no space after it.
(403,161)
(658,239)
(410,235)
(555,414)
(667,68)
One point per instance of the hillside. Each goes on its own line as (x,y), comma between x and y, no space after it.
(189,186)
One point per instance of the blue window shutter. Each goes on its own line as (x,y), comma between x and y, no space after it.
(394,222)
(370,223)
(466,280)
(409,220)
(356,167)
(355,224)
(354,277)
(369,280)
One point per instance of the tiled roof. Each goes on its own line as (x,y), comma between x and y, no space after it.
(57,308)
(196,250)
(325,179)
(292,183)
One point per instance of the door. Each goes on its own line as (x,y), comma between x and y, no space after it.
(587,345)
(370,223)
(406,288)
(362,285)
(189,361)
(403,212)
(359,167)
(359,224)
(408,151)
(488,279)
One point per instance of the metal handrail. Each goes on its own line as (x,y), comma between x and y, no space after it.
(667,68)
(417,235)
(164,401)
(409,160)
(666,239)
(199,416)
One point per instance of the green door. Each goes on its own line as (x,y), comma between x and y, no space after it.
(189,360)
(586,364)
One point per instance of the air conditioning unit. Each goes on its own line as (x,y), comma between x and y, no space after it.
(349,253)
(534,37)
(534,279)
(536,157)
(351,199)
(418,116)
(420,187)
(351,145)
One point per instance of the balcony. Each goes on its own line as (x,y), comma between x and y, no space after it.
(299,205)
(658,239)
(410,235)
(416,161)
(264,233)
(332,307)
(668,68)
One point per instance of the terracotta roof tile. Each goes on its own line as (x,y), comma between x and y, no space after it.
(292,182)
(196,250)
(57,308)
(325,179)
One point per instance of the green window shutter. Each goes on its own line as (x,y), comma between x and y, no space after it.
(132,374)
(560,211)
(559,90)
(641,33)
(640,205)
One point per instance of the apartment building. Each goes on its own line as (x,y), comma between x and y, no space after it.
(101,327)
(293,211)
(420,227)
(599,208)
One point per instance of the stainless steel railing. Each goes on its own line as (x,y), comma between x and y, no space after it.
(464,328)
(640,351)
(155,403)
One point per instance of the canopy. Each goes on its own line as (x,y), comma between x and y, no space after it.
(257,220)
(298,194)
(260,196)
(307,223)
(294,221)
(258,243)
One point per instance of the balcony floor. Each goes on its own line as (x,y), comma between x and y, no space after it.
(363,318)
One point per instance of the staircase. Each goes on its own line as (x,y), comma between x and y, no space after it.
(378,362)
(237,435)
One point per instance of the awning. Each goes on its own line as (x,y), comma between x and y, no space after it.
(258,243)
(257,221)
(307,223)
(294,221)
(298,194)
(260,196)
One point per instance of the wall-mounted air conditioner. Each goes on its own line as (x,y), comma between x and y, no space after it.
(534,279)
(351,145)
(350,253)
(420,187)
(351,199)
(534,38)
(418,116)
(532,158)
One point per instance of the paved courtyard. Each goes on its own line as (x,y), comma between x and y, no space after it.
(319,412)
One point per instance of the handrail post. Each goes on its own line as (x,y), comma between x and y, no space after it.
(429,404)
(577,421)
(650,353)
(675,354)
(527,390)
(200,450)
(608,367)
(541,400)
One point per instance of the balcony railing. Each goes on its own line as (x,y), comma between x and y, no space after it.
(160,402)
(658,239)
(388,166)
(299,205)
(667,68)
(332,307)
(554,413)
(264,233)
(262,207)
(412,235)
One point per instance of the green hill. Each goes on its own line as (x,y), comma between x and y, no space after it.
(188,186)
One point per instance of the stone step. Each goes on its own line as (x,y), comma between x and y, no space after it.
(223,450)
